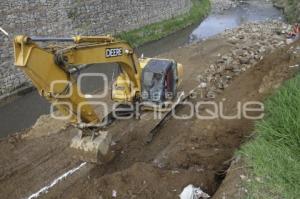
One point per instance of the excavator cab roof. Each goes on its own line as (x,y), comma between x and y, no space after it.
(158,65)
(159,77)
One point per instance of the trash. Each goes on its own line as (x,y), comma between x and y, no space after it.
(114,193)
(175,172)
(211,95)
(294,35)
(191,192)
(3,31)
(258,179)
(243,177)
(289,41)
(57,180)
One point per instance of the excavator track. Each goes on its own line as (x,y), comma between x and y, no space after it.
(166,115)
(165,118)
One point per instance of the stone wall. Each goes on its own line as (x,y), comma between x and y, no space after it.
(70,17)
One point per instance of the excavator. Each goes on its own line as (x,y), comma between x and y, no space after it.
(151,83)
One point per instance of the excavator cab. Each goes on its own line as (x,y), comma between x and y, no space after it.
(159,79)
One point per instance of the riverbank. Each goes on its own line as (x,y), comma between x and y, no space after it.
(156,31)
(267,165)
(273,155)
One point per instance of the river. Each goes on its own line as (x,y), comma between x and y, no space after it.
(23,111)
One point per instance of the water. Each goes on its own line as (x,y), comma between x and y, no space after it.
(248,11)
(22,112)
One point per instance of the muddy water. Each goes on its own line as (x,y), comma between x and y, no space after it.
(22,112)
(247,11)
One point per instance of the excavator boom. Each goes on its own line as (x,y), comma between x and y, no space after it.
(49,69)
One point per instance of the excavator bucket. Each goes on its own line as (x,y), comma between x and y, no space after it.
(95,150)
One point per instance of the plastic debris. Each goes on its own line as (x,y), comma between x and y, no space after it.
(114,193)
(3,31)
(243,177)
(57,180)
(191,192)
(294,66)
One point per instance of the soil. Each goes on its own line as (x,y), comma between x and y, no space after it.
(184,152)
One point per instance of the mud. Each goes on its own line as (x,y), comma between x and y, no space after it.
(184,152)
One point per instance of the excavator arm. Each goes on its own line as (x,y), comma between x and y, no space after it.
(49,69)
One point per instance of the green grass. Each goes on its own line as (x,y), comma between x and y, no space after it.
(156,31)
(274,155)
(291,9)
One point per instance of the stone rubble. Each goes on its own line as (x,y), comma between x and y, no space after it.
(252,42)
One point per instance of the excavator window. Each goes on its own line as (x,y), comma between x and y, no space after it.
(148,77)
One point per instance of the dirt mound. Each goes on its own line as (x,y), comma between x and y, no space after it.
(45,126)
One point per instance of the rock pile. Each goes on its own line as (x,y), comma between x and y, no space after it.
(252,42)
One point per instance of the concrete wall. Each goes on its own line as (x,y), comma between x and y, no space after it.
(70,17)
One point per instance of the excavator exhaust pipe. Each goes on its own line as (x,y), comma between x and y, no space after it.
(95,150)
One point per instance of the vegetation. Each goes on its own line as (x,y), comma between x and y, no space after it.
(274,155)
(291,9)
(158,30)
(292,12)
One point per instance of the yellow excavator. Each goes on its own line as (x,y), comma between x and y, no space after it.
(151,82)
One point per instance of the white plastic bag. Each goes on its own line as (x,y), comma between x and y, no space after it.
(191,192)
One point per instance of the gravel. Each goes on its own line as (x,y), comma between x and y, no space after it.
(252,42)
